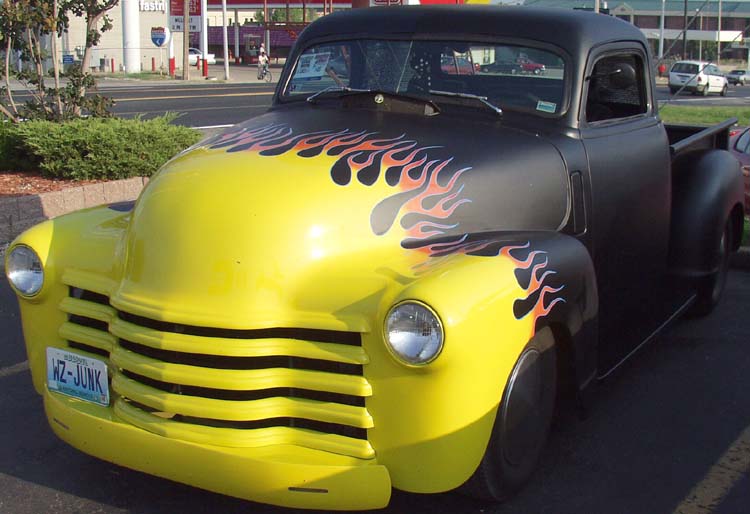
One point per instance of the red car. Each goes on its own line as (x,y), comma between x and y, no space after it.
(529,66)
(457,66)
(739,143)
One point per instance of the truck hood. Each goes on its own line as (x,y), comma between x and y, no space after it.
(306,212)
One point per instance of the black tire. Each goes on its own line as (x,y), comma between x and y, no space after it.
(724,90)
(521,425)
(673,90)
(705,90)
(710,289)
(268,76)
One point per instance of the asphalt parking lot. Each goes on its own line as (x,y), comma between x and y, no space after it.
(669,433)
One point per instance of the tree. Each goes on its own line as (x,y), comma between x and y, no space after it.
(97,22)
(24,24)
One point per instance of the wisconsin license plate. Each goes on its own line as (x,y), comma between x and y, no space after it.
(77,376)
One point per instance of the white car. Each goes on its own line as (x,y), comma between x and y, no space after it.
(698,77)
(194,54)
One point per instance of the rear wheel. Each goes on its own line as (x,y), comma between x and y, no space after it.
(673,90)
(522,423)
(705,90)
(711,288)
(724,90)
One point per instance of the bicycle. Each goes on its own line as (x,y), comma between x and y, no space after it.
(265,74)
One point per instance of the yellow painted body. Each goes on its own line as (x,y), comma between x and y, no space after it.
(211,245)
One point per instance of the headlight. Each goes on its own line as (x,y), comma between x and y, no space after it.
(25,271)
(413,333)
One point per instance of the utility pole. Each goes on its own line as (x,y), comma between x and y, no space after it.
(718,44)
(186,41)
(684,32)
(661,32)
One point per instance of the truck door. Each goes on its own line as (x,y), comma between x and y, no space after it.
(627,151)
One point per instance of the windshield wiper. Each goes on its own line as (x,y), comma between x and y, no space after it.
(469,96)
(345,89)
(433,109)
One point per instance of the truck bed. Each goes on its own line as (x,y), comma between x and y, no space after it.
(695,137)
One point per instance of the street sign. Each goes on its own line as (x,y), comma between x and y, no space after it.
(68,59)
(177,16)
(159,35)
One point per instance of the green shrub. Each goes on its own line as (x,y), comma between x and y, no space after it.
(12,156)
(99,148)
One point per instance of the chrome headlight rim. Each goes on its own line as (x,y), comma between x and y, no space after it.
(8,270)
(400,358)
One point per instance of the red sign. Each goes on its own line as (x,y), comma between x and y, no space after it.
(177,7)
(254,4)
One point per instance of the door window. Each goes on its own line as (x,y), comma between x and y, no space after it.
(616,88)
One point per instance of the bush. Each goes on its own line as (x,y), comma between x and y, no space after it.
(94,148)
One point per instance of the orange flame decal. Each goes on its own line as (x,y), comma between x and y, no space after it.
(429,189)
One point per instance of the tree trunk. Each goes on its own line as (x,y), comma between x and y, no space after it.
(55,66)
(14,114)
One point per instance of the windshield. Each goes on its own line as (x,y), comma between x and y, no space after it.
(512,77)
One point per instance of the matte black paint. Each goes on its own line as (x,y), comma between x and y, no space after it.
(618,209)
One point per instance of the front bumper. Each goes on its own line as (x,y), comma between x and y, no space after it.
(285,475)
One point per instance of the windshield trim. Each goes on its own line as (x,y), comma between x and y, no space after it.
(281,98)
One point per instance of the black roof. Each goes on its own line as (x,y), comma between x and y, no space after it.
(574,31)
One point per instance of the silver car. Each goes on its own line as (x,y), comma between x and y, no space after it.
(736,77)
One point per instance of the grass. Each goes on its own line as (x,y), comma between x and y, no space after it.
(703,115)
(144,75)
(746,233)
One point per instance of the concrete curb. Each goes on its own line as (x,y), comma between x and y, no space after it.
(17,213)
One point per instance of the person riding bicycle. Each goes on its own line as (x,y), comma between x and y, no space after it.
(262,63)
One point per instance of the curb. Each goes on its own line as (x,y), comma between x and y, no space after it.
(18,213)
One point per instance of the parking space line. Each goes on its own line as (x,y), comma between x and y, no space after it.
(720,479)
(14,369)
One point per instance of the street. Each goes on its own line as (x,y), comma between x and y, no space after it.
(669,432)
(208,104)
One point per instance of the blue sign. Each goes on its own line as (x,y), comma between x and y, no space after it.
(68,59)
(159,35)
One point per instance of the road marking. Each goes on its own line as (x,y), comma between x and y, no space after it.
(207,127)
(183,97)
(182,111)
(720,479)
(14,369)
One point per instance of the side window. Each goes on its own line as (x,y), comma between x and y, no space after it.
(616,88)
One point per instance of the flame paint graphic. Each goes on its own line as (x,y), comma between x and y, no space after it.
(430,189)
(430,192)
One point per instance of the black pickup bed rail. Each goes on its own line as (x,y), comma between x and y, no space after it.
(694,137)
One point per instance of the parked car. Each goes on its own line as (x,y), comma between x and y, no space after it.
(194,54)
(529,66)
(737,77)
(697,77)
(740,145)
(386,284)
(510,67)
(458,65)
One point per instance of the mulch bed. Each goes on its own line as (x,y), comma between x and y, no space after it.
(16,183)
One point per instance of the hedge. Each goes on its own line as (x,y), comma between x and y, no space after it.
(93,148)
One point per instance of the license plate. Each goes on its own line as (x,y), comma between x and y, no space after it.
(74,375)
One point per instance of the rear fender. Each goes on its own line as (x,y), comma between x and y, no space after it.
(706,192)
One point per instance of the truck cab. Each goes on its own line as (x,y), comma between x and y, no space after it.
(389,278)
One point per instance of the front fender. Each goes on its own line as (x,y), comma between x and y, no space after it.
(492,292)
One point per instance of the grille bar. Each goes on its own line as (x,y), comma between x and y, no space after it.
(228,347)
(239,438)
(240,380)
(303,334)
(87,336)
(256,410)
